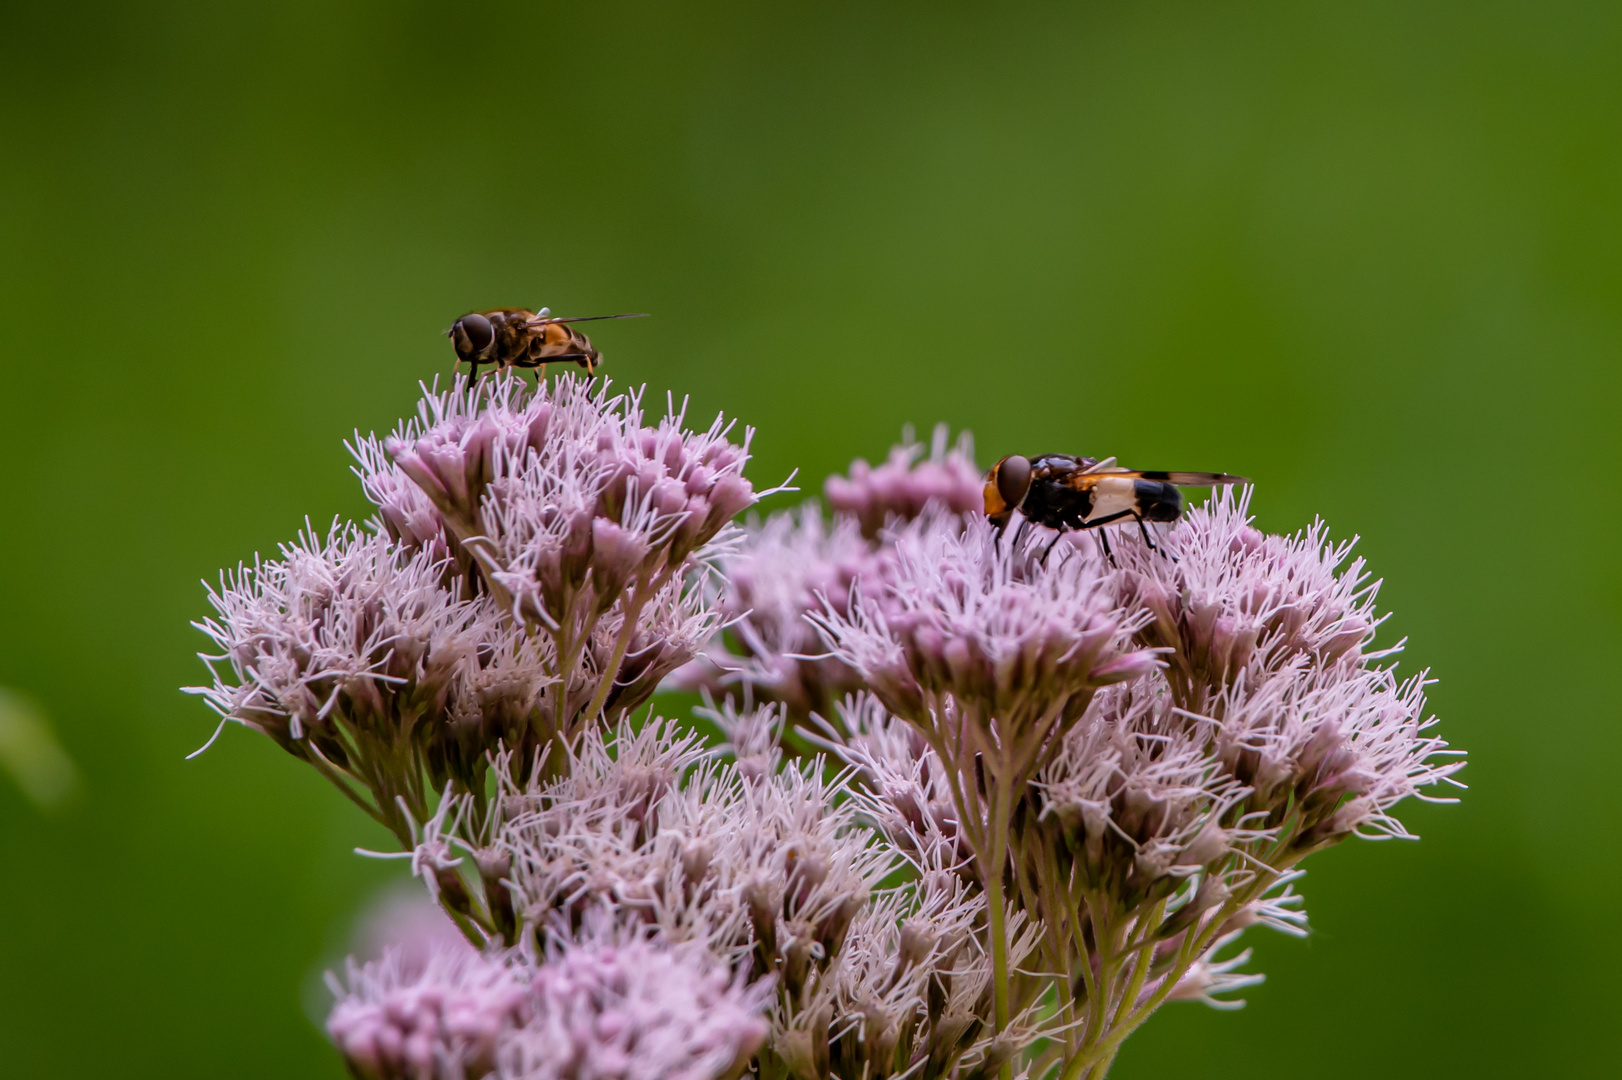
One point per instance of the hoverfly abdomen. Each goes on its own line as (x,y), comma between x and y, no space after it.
(1158,500)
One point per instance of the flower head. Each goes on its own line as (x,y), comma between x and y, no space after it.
(1224,598)
(792,564)
(967,630)
(1268,640)
(908,481)
(584,522)
(1138,796)
(351,654)
(442,1020)
(630,1009)
(539,564)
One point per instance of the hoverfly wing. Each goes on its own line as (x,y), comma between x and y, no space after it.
(1193,479)
(590,318)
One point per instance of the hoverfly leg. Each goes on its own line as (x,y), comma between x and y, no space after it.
(1049,549)
(1099,523)
(1144,529)
(1019,534)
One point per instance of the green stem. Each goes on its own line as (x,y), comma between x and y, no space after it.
(561,640)
(1145,950)
(611,670)
(1101,1067)
(465,924)
(1193,948)
(998,912)
(996,909)
(336,777)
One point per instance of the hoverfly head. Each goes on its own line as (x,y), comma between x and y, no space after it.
(1006,487)
(471,335)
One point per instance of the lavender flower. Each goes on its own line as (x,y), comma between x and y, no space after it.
(600,1007)
(798,563)
(350,655)
(905,788)
(442,1020)
(1070,782)
(992,656)
(579,520)
(765,868)
(539,565)
(968,633)
(631,1010)
(792,564)
(1139,800)
(1224,597)
(1268,638)
(907,482)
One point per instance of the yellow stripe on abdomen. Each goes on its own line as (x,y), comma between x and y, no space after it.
(1113,495)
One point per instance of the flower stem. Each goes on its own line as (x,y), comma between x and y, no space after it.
(996,906)
(633,608)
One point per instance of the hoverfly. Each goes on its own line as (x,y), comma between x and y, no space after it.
(1066,492)
(520,338)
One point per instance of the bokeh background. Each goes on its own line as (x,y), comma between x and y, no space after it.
(1367,253)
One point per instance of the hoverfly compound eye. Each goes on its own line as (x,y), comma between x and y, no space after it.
(1013,480)
(472,334)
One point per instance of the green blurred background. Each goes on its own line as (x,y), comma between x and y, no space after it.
(1369,254)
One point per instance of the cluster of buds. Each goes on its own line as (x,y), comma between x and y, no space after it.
(635,1010)
(802,561)
(908,482)
(442,1020)
(599,1007)
(1136,800)
(1225,599)
(991,655)
(350,654)
(578,519)
(1267,642)
(761,863)
(538,564)
(904,787)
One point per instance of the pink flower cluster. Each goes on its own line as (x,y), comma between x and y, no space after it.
(800,562)
(793,563)
(966,618)
(907,482)
(634,1011)
(595,1009)
(442,1021)
(1070,776)
(538,563)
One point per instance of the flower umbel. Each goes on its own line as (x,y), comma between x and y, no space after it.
(908,482)
(538,567)
(982,802)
